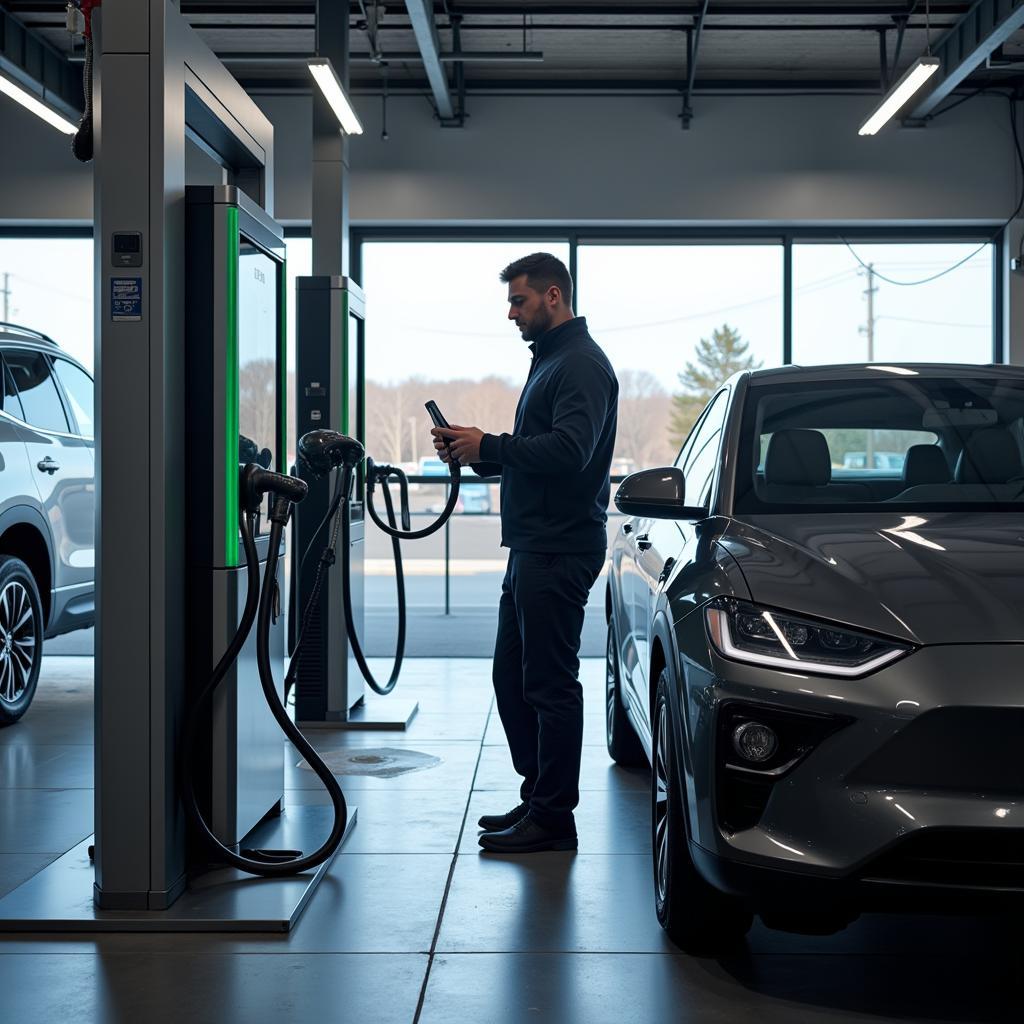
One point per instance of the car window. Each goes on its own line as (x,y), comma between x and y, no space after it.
(701,457)
(12,403)
(78,387)
(916,443)
(37,390)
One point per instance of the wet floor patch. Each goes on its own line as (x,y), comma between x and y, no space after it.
(379,762)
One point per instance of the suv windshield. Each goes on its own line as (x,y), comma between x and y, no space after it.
(928,443)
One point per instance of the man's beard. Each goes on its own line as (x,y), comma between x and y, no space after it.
(541,324)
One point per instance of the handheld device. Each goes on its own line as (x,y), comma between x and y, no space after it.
(438,418)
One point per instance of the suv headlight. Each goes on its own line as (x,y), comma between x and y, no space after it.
(762,636)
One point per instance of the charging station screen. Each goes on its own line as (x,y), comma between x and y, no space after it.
(257,358)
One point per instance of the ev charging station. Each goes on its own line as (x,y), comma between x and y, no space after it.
(190,384)
(330,359)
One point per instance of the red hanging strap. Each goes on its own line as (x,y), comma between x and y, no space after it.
(87,7)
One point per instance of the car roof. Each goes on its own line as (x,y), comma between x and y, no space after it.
(15,332)
(876,371)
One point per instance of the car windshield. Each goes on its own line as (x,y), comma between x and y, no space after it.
(903,442)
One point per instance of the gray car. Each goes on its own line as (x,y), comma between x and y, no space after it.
(824,665)
(47,507)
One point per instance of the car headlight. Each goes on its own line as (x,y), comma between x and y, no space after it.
(762,636)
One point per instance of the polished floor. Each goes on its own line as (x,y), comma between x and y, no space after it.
(413,924)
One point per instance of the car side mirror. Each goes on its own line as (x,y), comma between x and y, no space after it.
(657,494)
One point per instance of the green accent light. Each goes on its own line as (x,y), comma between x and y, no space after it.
(231,385)
(282,370)
(346,426)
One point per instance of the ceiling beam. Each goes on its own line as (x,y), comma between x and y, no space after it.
(961,50)
(421,14)
(33,63)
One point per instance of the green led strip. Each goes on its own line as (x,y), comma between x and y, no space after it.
(347,427)
(231,386)
(282,370)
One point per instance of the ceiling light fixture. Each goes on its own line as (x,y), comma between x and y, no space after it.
(34,104)
(919,72)
(916,75)
(334,92)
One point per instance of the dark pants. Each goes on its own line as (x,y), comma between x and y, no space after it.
(536,677)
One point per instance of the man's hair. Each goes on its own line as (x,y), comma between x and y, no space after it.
(542,270)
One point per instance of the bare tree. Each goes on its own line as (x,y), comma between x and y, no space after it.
(645,408)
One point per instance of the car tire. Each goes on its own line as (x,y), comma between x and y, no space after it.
(699,918)
(21,638)
(624,746)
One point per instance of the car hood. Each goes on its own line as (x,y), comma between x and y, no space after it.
(927,578)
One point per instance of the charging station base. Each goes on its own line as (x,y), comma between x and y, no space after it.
(60,897)
(372,713)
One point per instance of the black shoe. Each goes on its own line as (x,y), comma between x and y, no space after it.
(500,822)
(526,836)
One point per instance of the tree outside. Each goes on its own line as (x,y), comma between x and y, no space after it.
(718,358)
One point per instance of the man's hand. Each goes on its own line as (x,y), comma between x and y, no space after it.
(464,443)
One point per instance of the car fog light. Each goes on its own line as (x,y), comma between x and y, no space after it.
(755,742)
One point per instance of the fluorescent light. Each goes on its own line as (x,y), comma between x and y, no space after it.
(919,72)
(330,85)
(40,109)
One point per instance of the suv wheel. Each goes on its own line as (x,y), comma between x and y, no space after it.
(697,916)
(623,745)
(21,638)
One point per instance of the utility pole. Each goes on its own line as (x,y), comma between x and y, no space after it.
(6,293)
(869,330)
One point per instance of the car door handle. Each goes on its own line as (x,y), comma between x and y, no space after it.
(666,570)
(47,465)
(642,542)
(627,527)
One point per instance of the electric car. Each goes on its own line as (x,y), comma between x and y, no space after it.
(47,507)
(825,670)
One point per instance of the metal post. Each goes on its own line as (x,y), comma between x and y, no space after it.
(787,301)
(330,220)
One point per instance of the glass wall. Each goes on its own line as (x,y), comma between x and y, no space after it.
(882,302)
(676,320)
(46,284)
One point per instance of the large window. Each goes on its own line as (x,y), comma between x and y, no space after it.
(875,302)
(46,284)
(676,321)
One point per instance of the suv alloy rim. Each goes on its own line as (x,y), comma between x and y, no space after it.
(17,641)
(661,806)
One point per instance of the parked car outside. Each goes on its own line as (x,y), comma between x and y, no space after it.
(47,507)
(474,498)
(825,674)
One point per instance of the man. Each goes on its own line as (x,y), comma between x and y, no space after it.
(554,469)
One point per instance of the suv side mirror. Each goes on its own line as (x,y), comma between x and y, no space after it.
(657,494)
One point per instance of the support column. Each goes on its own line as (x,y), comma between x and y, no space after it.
(330,151)
(1013,295)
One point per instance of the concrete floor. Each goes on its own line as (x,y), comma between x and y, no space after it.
(413,924)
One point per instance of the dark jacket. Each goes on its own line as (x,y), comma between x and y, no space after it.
(555,464)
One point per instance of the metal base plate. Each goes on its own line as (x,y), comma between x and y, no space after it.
(383,713)
(60,897)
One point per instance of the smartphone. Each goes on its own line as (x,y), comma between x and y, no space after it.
(435,414)
(439,421)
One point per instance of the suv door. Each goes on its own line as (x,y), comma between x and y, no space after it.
(659,540)
(62,466)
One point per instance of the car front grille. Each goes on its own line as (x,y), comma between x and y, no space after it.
(974,750)
(965,858)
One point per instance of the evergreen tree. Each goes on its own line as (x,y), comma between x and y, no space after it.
(718,358)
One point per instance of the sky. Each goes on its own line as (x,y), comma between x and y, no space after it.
(438,309)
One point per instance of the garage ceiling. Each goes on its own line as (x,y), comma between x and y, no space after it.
(587,46)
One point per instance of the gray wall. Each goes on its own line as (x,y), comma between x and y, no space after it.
(581,160)
(614,160)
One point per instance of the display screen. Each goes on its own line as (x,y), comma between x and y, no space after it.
(257,359)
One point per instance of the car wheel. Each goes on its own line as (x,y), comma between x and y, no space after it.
(21,638)
(623,745)
(697,916)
